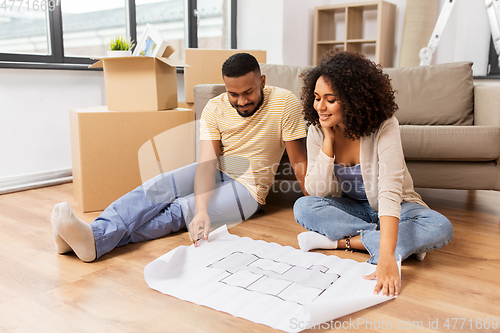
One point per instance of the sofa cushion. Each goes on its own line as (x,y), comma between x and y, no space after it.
(284,76)
(434,95)
(450,143)
(202,94)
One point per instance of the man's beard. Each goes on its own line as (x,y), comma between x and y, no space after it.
(249,114)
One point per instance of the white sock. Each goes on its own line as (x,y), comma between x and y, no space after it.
(310,240)
(76,233)
(61,246)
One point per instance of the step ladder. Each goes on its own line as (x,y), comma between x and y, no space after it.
(492,9)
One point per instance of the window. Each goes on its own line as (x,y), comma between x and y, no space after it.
(23,30)
(68,33)
(214,24)
(168,17)
(89,25)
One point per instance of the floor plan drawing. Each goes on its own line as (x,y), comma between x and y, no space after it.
(271,277)
(264,282)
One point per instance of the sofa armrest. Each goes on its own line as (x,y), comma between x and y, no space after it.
(202,94)
(486,105)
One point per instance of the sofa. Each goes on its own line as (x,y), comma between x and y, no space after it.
(450,126)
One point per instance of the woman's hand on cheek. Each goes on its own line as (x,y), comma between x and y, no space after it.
(329,133)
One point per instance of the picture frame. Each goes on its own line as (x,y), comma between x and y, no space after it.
(151,43)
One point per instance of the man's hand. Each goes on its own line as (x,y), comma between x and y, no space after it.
(387,274)
(199,227)
(204,185)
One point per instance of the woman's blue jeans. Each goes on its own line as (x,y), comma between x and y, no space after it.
(165,204)
(420,229)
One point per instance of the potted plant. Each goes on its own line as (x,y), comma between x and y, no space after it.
(120,47)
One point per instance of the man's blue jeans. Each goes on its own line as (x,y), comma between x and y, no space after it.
(420,229)
(164,204)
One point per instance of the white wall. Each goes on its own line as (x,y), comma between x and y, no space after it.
(34,113)
(260,27)
(34,116)
(298,17)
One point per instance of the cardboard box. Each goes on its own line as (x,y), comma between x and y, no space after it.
(113,152)
(140,83)
(205,67)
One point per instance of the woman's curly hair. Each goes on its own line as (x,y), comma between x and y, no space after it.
(361,88)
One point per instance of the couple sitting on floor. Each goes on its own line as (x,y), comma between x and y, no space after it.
(359,193)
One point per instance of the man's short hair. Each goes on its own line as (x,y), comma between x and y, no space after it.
(240,64)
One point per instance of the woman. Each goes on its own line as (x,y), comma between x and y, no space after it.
(361,193)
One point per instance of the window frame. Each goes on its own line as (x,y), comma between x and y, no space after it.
(57,60)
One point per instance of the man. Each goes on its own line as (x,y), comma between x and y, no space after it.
(243,135)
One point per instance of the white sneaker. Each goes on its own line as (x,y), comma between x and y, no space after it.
(420,256)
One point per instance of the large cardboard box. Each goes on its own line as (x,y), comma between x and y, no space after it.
(205,67)
(140,83)
(113,152)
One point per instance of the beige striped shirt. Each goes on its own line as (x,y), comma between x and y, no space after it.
(252,147)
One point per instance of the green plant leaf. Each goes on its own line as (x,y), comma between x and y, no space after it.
(120,44)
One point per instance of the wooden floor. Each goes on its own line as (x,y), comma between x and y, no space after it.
(41,291)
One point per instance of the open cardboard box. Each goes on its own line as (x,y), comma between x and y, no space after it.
(140,83)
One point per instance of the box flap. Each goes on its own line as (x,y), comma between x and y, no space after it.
(98,64)
(168,52)
(173,62)
(168,61)
(101,61)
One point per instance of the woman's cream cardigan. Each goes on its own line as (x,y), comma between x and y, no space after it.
(385,175)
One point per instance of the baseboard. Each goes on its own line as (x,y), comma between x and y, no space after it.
(35,180)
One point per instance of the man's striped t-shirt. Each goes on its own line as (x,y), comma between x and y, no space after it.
(252,147)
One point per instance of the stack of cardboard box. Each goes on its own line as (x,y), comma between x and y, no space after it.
(141,132)
(138,135)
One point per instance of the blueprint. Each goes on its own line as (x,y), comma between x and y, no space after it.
(267,283)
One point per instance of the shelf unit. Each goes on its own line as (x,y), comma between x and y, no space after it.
(364,27)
